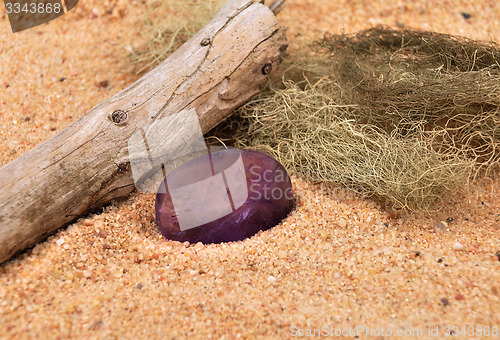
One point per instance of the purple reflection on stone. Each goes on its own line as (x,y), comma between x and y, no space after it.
(223,196)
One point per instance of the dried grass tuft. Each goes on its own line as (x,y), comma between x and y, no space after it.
(318,138)
(409,116)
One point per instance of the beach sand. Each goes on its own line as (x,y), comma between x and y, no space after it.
(338,263)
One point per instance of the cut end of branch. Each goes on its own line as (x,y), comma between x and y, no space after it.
(277,6)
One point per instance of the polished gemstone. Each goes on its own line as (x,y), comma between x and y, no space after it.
(223,196)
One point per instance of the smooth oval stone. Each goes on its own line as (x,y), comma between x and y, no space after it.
(223,196)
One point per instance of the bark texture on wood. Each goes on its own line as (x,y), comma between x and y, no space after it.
(87,165)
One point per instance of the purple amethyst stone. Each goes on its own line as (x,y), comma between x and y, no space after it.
(223,196)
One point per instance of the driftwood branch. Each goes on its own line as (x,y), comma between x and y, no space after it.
(87,164)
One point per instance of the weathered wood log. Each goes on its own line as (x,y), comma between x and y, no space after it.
(87,164)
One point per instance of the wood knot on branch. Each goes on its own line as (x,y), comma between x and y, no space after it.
(205,42)
(267,69)
(119,117)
